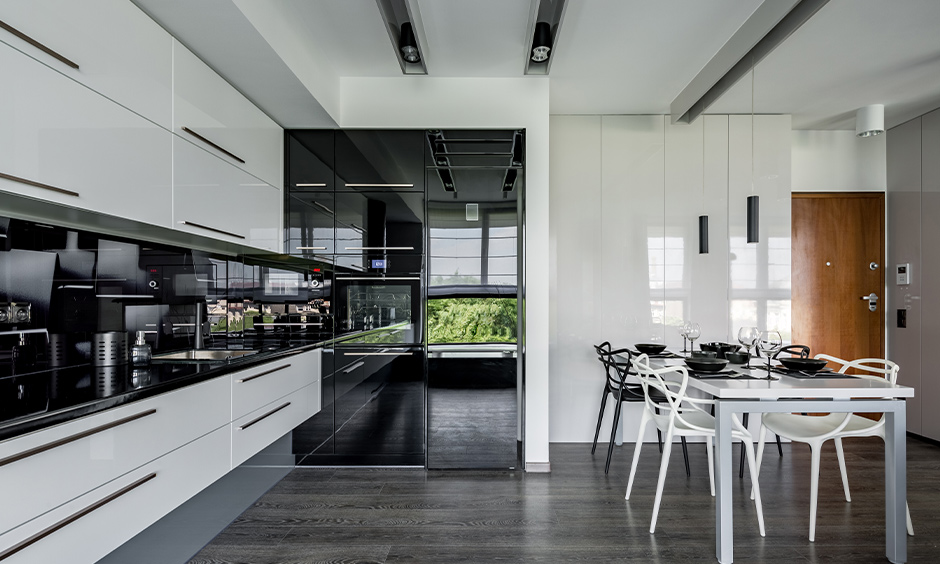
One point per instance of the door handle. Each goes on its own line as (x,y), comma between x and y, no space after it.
(872,301)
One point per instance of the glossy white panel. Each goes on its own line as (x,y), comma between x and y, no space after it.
(205,103)
(224,201)
(929,390)
(258,386)
(58,132)
(120,51)
(263,426)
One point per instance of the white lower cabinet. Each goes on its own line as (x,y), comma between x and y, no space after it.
(64,143)
(258,429)
(254,388)
(113,513)
(212,198)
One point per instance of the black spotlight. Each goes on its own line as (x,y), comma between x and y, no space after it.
(407,44)
(542,42)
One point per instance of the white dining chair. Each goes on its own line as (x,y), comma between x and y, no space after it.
(684,418)
(815,430)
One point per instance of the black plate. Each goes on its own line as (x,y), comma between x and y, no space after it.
(719,348)
(649,348)
(706,364)
(804,364)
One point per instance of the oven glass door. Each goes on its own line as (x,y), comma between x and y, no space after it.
(386,308)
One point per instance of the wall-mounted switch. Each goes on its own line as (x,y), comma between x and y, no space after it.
(903,274)
(902,318)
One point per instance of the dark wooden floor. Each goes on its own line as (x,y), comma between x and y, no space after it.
(577,514)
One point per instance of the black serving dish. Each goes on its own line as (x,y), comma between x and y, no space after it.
(737,357)
(803,364)
(706,364)
(719,348)
(649,348)
(704,354)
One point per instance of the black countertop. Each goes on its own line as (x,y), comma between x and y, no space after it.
(38,396)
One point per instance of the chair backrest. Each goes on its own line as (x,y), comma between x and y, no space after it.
(801,351)
(870,368)
(674,390)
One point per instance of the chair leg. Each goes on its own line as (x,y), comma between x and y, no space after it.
(710,453)
(779,446)
(636,451)
(685,455)
(910,524)
(755,487)
(761,435)
(845,477)
(741,461)
(613,435)
(813,489)
(600,418)
(659,435)
(662,480)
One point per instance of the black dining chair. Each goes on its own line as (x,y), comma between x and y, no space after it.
(616,371)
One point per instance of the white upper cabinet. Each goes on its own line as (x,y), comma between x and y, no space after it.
(209,112)
(61,142)
(214,199)
(119,51)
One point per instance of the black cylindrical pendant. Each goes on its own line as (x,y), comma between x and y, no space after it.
(703,234)
(753,217)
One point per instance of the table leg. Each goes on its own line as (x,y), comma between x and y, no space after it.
(896,484)
(723,471)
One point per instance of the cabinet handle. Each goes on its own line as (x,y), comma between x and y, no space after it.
(380,248)
(37,44)
(200,226)
(260,374)
(38,184)
(354,366)
(268,414)
(75,437)
(378,278)
(385,353)
(311,248)
(380,185)
(211,144)
(311,185)
(74,517)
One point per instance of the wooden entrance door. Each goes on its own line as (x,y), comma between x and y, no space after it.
(837,257)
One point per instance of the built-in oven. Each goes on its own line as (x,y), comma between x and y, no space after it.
(390,305)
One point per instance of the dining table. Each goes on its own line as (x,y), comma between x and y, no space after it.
(760,390)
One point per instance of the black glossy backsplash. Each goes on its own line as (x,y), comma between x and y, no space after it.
(59,286)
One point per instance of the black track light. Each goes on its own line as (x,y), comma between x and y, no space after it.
(542,42)
(408,45)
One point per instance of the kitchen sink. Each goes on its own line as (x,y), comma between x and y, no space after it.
(199,354)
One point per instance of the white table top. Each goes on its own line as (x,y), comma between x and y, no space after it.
(790,387)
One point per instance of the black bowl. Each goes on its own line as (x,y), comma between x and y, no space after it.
(719,348)
(649,348)
(804,364)
(706,364)
(704,354)
(737,357)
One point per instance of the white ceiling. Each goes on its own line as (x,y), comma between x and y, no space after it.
(611,57)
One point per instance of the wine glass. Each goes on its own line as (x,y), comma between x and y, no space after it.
(748,337)
(769,343)
(684,333)
(693,331)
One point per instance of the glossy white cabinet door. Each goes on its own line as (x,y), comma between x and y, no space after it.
(214,199)
(56,132)
(256,387)
(207,105)
(258,429)
(119,50)
(148,429)
(176,477)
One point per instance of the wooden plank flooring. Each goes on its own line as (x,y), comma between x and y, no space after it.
(577,514)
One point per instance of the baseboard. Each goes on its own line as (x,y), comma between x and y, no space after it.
(538,467)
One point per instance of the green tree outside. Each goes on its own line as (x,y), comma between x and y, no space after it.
(472,320)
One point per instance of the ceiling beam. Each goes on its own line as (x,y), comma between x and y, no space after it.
(769,26)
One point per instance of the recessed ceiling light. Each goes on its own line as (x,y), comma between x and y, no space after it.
(542,43)
(407,44)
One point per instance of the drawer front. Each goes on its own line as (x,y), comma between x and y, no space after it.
(120,52)
(132,503)
(252,389)
(222,121)
(63,143)
(86,453)
(263,426)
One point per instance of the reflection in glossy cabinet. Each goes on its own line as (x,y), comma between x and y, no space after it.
(120,52)
(60,134)
(310,223)
(310,159)
(379,159)
(215,199)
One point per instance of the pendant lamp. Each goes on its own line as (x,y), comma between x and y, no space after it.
(753,201)
(703,219)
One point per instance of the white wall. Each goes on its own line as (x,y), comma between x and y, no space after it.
(625,196)
(478,103)
(838,161)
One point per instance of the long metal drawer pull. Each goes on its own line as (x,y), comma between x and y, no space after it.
(260,374)
(74,517)
(384,353)
(354,366)
(75,437)
(311,185)
(377,278)
(207,228)
(38,45)
(211,144)
(380,248)
(38,184)
(298,324)
(311,248)
(380,185)
(268,414)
